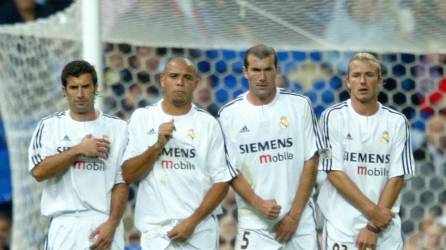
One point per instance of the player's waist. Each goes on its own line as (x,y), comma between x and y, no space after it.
(333,203)
(156,229)
(79,213)
(346,231)
(250,219)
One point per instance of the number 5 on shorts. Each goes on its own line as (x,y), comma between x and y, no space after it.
(245,240)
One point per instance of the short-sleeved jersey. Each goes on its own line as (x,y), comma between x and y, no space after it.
(88,182)
(369,150)
(190,163)
(269,145)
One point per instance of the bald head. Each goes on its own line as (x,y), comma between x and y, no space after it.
(175,61)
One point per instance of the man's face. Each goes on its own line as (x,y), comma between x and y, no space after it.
(363,81)
(261,75)
(80,92)
(25,4)
(4,232)
(179,81)
(433,236)
(436,131)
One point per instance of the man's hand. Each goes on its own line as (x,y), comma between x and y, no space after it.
(380,217)
(102,236)
(94,147)
(366,240)
(165,131)
(182,231)
(268,208)
(286,228)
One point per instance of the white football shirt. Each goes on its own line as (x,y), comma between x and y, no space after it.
(190,163)
(269,145)
(88,182)
(370,150)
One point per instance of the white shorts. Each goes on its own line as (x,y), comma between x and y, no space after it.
(390,238)
(265,240)
(205,236)
(72,231)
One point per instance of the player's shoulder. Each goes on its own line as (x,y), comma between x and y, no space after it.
(336,110)
(204,115)
(112,119)
(143,111)
(394,115)
(293,99)
(54,117)
(290,94)
(231,105)
(206,120)
(146,109)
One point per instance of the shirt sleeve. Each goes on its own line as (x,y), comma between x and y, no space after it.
(332,156)
(121,144)
(402,161)
(230,145)
(312,131)
(219,167)
(133,147)
(40,146)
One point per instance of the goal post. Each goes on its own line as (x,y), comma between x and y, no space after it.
(314,40)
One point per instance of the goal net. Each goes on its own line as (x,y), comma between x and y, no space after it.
(31,59)
(314,40)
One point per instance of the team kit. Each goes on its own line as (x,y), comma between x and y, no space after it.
(266,144)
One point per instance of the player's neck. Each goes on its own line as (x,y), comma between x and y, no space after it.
(365,109)
(171,109)
(83,117)
(257,101)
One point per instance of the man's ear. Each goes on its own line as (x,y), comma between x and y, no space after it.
(347,84)
(162,80)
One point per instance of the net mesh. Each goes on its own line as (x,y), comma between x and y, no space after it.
(31,59)
(344,25)
(314,39)
(30,89)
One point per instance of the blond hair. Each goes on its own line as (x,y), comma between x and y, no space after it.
(368,57)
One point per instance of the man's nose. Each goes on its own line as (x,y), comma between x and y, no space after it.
(80,92)
(262,76)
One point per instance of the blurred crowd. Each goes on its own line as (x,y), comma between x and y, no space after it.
(20,11)
(413,84)
(430,234)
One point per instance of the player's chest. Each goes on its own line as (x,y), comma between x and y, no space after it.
(257,124)
(186,133)
(362,137)
(68,135)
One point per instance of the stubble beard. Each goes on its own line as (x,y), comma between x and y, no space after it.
(263,94)
(366,99)
(179,103)
(82,110)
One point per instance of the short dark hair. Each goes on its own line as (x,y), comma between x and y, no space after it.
(260,51)
(77,68)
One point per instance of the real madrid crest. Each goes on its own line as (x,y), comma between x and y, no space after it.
(385,137)
(283,122)
(191,134)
